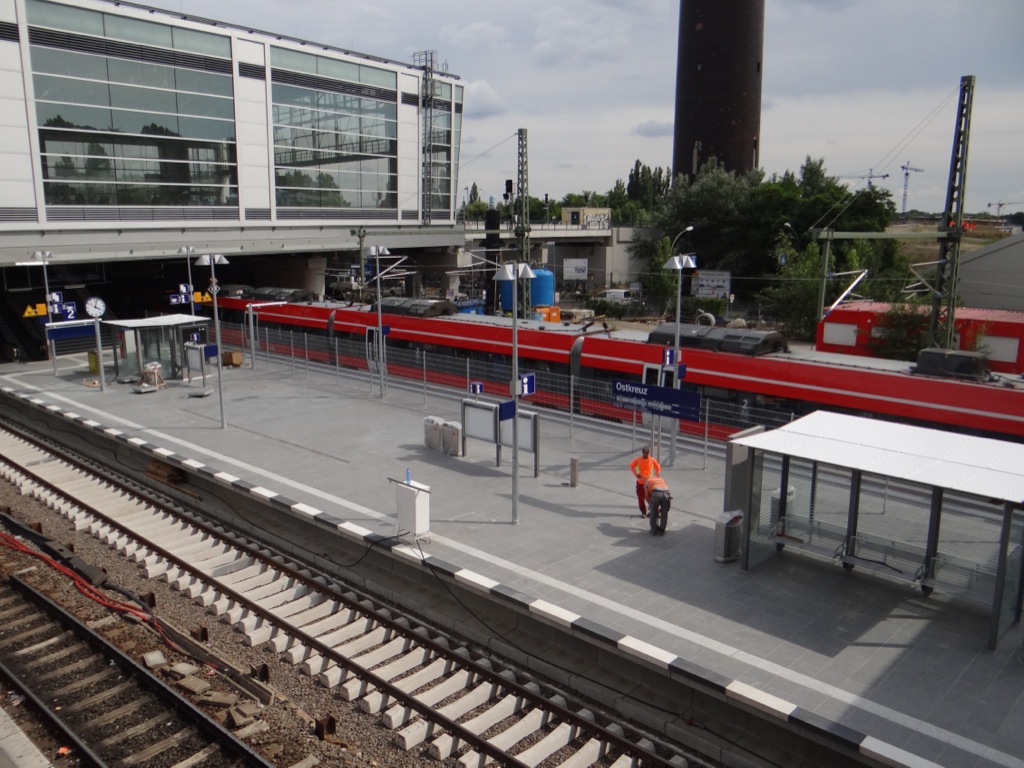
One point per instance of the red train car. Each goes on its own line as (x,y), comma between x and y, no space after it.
(999,334)
(796,381)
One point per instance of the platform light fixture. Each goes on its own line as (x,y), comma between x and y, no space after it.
(382,362)
(43,257)
(187,251)
(678,263)
(514,272)
(211,260)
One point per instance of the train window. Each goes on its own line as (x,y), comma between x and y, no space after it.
(658,376)
(652,374)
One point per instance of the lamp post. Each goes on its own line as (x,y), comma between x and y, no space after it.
(382,364)
(211,260)
(187,251)
(515,272)
(360,234)
(44,257)
(678,263)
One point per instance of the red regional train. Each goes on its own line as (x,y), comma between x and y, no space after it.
(755,367)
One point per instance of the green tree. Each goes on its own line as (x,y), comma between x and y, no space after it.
(901,330)
(717,204)
(647,187)
(791,297)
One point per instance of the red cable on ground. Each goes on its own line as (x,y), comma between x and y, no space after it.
(87,589)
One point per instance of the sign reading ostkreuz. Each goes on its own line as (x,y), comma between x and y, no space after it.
(660,401)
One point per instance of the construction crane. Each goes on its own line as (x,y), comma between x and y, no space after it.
(869,176)
(1000,204)
(906,181)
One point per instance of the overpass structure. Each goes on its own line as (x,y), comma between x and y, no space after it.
(604,247)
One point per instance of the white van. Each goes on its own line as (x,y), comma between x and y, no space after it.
(616,296)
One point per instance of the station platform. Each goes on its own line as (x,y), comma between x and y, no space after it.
(870,655)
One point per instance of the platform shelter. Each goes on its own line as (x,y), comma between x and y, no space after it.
(145,341)
(937,509)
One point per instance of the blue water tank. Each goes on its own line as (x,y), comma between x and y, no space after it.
(505,287)
(542,289)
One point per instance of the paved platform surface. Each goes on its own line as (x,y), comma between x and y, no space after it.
(867,653)
(16,749)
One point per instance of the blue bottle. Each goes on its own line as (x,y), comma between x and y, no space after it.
(408,476)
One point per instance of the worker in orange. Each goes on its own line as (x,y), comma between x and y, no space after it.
(659,499)
(643,468)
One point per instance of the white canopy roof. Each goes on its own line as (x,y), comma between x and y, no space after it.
(160,321)
(976,465)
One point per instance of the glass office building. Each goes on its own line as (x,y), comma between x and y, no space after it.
(136,115)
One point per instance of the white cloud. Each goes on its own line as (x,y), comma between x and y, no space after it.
(594,83)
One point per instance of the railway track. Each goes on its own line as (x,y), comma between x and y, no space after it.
(109,708)
(438,695)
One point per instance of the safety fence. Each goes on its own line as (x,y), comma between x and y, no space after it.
(441,369)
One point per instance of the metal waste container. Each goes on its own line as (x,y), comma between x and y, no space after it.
(451,438)
(728,536)
(432,432)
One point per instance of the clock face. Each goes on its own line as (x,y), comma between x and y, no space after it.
(95,306)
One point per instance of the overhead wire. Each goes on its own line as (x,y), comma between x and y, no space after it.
(887,159)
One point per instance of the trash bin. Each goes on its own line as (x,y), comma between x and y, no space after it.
(728,536)
(451,438)
(776,502)
(432,432)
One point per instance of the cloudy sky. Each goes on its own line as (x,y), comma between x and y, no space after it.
(868,85)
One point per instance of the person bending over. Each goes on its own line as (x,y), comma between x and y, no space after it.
(659,499)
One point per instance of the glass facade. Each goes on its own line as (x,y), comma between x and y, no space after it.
(149,122)
(135,112)
(335,133)
(442,126)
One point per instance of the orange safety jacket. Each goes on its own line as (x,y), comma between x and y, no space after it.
(644,468)
(655,484)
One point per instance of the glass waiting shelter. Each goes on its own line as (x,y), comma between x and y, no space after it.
(939,510)
(141,343)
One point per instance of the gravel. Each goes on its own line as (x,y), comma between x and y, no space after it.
(359,739)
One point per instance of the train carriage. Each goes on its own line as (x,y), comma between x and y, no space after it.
(741,366)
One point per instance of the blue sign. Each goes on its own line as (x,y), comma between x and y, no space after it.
(385,330)
(660,401)
(476,387)
(69,310)
(669,357)
(70,332)
(528,384)
(507,410)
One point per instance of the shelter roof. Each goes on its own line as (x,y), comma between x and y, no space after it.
(980,466)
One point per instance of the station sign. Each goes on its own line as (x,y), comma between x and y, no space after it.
(659,401)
